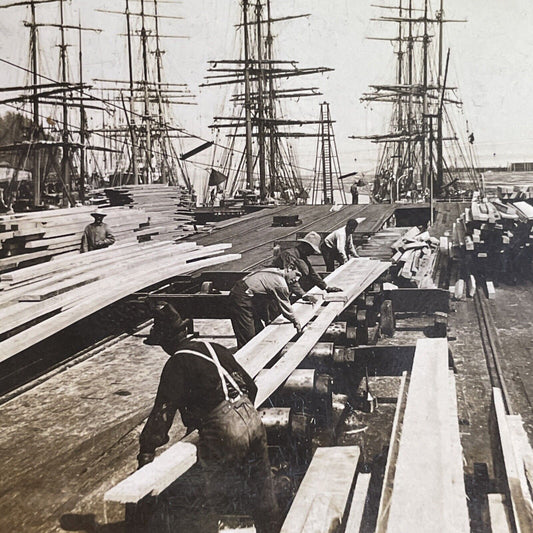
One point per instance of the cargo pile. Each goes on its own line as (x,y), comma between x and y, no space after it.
(415,259)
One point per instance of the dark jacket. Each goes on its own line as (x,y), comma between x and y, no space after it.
(95,237)
(191,385)
(309,277)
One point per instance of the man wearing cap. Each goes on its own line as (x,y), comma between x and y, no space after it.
(251,300)
(96,235)
(297,257)
(338,245)
(214,394)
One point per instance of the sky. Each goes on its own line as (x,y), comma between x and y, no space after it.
(491,63)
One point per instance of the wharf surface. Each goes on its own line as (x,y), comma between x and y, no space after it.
(69,439)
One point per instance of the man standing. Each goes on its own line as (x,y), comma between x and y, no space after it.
(251,297)
(298,258)
(355,193)
(338,245)
(213,394)
(96,235)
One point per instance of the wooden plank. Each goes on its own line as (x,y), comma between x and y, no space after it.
(43,330)
(499,516)
(154,477)
(524,451)
(268,382)
(18,314)
(357,508)
(54,289)
(422,478)
(521,504)
(392,455)
(331,474)
(459,520)
(358,274)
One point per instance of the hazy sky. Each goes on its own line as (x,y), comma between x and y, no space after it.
(491,62)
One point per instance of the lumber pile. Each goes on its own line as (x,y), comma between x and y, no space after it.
(415,259)
(423,488)
(379,245)
(353,277)
(490,240)
(36,237)
(170,209)
(41,300)
(516,506)
(514,193)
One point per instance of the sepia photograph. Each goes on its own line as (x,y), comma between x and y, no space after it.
(266,266)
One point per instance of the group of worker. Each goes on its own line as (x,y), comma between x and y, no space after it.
(213,393)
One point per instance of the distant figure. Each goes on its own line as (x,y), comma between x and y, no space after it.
(338,245)
(355,193)
(96,235)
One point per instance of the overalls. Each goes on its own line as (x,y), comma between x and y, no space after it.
(232,451)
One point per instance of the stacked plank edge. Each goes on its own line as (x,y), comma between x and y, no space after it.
(137,213)
(41,300)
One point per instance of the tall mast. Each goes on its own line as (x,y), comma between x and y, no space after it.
(65,171)
(147,125)
(260,104)
(132,105)
(82,120)
(410,105)
(34,66)
(400,101)
(271,106)
(425,97)
(247,100)
(164,173)
(440,170)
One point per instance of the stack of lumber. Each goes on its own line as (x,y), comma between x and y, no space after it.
(168,207)
(423,487)
(516,506)
(514,193)
(379,245)
(353,277)
(490,239)
(41,300)
(36,237)
(416,256)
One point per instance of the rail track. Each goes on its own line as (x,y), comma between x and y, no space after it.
(491,347)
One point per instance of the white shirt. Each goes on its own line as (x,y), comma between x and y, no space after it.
(337,240)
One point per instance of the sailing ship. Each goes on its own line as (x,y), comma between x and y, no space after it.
(136,140)
(263,170)
(423,155)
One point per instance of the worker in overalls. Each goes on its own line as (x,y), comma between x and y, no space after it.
(251,300)
(214,394)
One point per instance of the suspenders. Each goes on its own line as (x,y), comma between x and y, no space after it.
(225,376)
